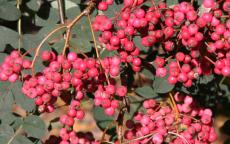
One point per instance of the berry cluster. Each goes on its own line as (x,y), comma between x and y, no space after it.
(118,40)
(12,66)
(183,43)
(70,137)
(161,123)
(182,32)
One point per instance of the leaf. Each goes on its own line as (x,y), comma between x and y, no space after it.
(206,79)
(113,9)
(34,126)
(202,10)
(58,46)
(146,91)
(171,2)
(30,41)
(199,2)
(19,139)
(82,37)
(7,117)
(134,107)
(105,53)
(6,99)
(34,5)
(52,19)
(137,41)
(101,118)
(47,29)
(8,36)
(6,132)
(73,12)
(20,99)
(17,122)
(68,4)
(148,74)
(161,85)
(9,12)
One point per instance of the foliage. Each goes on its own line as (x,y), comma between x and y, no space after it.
(25,24)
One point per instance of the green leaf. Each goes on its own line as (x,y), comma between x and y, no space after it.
(101,118)
(137,41)
(47,29)
(9,12)
(21,99)
(73,12)
(17,122)
(161,85)
(58,46)
(146,91)
(19,139)
(113,9)
(7,117)
(33,5)
(8,36)
(206,79)
(6,99)
(134,107)
(199,2)
(52,19)
(82,37)
(68,4)
(105,53)
(30,41)
(148,74)
(171,2)
(6,132)
(34,126)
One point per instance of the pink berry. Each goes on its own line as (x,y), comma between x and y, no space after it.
(103,6)
(208,3)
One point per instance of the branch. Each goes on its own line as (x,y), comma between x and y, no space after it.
(61,9)
(176,134)
(15,134)
(44,40)
(19,26)
(96,48)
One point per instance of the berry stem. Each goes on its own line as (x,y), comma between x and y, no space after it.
(95,46)
(19,25)
(176,134)
(107,128)
(44,40)
(174,106)
(168,58)
(69,28)
(206,57)
(77,49)
(139,138)
(222,80)
(61,10)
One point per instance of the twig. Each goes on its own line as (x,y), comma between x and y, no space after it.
(19,26)
(15,134)
(176,134)
(44,40)
(78,49)
(69,28)
(175,107)
(222,80)
(139,138)
(107,128)
(95,46)
(206,57)
(61,9)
